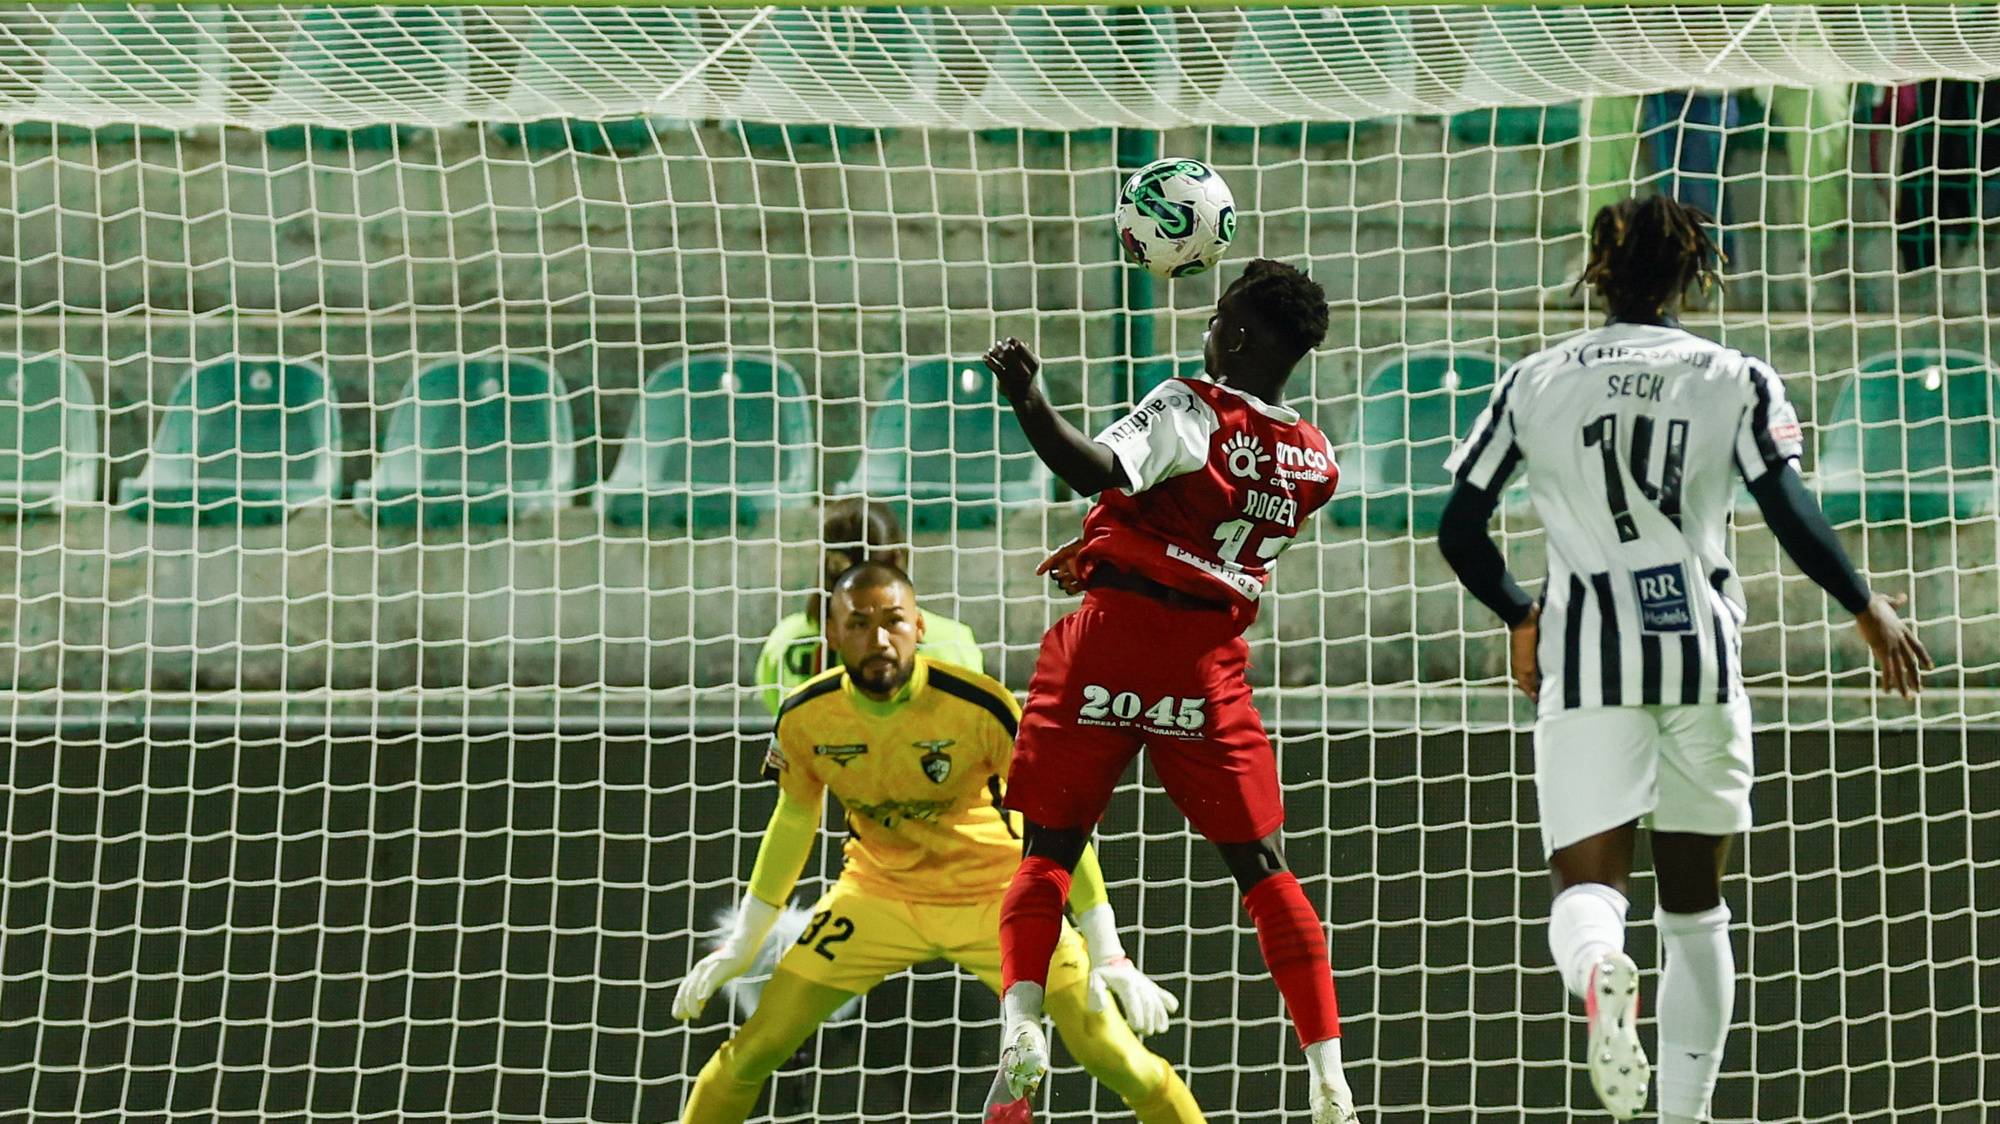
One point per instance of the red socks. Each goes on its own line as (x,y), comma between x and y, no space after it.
(1031,921)
(1288,931)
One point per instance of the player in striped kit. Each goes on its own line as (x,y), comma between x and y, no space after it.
(1633,436)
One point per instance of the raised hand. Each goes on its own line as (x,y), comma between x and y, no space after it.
(1014,367)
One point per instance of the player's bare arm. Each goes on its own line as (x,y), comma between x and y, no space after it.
(1081,463)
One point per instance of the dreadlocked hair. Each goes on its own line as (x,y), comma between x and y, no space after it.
(1646,253)
(1285,300)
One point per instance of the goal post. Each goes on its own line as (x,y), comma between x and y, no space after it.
(413,421)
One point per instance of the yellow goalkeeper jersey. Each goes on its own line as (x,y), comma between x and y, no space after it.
(919,776)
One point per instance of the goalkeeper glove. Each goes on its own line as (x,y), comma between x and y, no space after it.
(1112,973)
(732,957)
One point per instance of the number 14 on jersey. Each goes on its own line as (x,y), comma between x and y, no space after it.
(1666,495)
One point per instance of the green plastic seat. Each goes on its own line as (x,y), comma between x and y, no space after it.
(717,443)
(48,435)
(944,452)
(363,49)
(475,441)
(1412,412)
(244,440)
(1911,436)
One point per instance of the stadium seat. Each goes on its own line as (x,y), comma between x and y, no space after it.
(1911,437)
(48,435)
(475,441)
(944,451)
(244,440)
(718,441)
(1412,412)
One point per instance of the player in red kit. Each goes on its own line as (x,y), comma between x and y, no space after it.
(1198,490)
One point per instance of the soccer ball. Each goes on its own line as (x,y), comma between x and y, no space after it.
(1175,217)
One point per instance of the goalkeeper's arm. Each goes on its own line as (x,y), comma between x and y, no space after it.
(781,857)
(1146,1004)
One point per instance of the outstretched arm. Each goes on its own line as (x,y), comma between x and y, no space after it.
(1087,467)
(788,842)
(1801,528)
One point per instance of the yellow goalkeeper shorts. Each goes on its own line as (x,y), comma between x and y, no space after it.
(854,940)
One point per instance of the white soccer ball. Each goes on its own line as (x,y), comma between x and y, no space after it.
(1175,217)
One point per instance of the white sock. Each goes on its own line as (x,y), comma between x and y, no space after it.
(1021,1004)
(1697,999)
(1586,923)
(1323,1059)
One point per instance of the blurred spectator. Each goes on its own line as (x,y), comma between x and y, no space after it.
(1685,135)
(851,531)
(1943,149)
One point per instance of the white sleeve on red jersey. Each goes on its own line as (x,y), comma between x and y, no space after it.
(1166,435)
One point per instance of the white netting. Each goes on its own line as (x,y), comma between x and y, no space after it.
(418,418)
(1057,68)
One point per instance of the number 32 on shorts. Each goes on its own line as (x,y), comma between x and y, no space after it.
(1102,707)
(839,931)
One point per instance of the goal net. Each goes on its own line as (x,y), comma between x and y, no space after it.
(413,422)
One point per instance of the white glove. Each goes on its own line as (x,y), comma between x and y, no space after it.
(1145,1003)
(737,952)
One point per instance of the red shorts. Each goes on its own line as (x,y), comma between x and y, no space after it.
(1125,671)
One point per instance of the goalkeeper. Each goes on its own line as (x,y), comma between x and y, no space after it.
(916,752)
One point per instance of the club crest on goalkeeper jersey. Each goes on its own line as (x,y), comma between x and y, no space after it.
(1220,482)
(919,777)
(1634,437)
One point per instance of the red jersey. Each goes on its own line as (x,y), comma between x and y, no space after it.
(1219,483)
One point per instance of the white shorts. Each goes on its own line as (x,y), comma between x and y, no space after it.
(1682,768)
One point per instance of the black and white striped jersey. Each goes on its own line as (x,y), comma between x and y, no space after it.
(1633,437)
